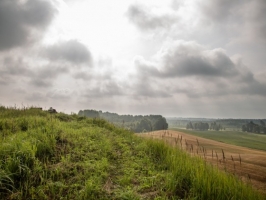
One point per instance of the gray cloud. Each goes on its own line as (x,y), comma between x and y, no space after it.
(70,51)
(176,4)
(12,66)
(21,23)
(244,19)
(92,75)
(20,91)
(198,65)
(182,78)
(255,15)
(83,76)
(219,10)
(201,73)
(51,71)
(45,76)
(224,21)
(14,69)
(146,20)
(149,89)
(60,94)
(104,89)
(40,82)
(189,59)
(36,97)
(253,88)
(4,80)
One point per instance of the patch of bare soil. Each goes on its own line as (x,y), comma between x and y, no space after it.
(247,164)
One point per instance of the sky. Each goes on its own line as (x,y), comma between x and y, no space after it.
(193,58)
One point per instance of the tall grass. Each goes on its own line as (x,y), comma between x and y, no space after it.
(192,178)
(59,156)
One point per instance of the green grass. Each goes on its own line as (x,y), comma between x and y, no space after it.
(244,139)
(58,156)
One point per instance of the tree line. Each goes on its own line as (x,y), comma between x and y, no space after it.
(136,123)
(204,126)
(255,128)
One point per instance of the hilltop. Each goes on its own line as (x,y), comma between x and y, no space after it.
(57,156)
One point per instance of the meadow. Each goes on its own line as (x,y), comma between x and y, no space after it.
(244,139)
(59,156)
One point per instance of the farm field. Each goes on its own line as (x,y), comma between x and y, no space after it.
(60,156)
(246,163)
(244,139)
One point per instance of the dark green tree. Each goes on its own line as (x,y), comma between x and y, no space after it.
(89,113)
(189,126)
(160,124)
(244,128)
(144,124)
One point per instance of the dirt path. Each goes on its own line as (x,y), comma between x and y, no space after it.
(247,164)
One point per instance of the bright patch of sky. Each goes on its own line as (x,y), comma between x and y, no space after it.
(177,58)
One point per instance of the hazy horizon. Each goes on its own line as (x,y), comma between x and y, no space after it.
(203,59)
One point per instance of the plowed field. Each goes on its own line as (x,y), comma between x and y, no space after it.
(247,164)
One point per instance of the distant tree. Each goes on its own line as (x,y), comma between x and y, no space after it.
(144,124)
(244,128)
(207,126)
(89,113)
(216,127)
(255,128)
(213,126)
(195,126)
(198,126)
(189,126)
(262,123)
(160,124)
(135,123)
(250,126)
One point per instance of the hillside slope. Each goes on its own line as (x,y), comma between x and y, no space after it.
(246,163)
(59,156)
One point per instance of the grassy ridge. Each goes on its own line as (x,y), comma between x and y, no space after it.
(60,156)
(250,140)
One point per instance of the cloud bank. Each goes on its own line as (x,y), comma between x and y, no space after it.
(183,58)
(22,23)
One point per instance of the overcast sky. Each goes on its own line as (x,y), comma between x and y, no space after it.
(193,58)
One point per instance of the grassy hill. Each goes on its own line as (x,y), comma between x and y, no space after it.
(59,156)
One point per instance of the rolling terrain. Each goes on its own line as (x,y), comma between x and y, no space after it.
(239,138)
(246,163)
(58,156)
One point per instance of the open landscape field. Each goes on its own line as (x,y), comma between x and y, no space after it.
(132,100)
(239,138)
(246,163)
(58,156)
